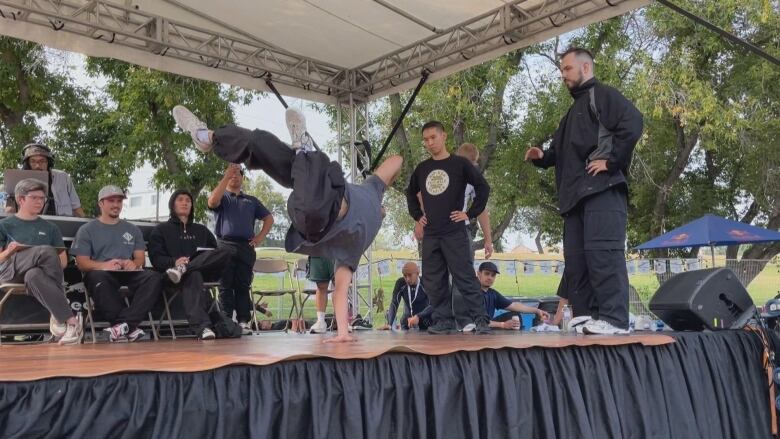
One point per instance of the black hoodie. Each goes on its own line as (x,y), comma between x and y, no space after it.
(173,239)
(577,136)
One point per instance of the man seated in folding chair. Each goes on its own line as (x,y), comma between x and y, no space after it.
(34,254)
(187,253)
(329,217)
(418,311)
(111,254)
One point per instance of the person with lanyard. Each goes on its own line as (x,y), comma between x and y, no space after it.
(446,245)
(591,151)
(236,213)
(61,198)
(417,309)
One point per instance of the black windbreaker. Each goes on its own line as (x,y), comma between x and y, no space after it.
(577,137)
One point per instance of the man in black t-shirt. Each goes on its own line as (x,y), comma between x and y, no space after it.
(446,245)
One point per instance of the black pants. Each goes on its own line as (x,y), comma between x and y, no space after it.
(459,304)
(595,280)
(236,280)
(205,265)
(451,255)
(144,287)
(257,149)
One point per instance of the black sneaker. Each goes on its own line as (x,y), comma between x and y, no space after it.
(443,327)
(482,326)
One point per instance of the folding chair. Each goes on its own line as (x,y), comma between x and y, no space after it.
(274,266)
(7,290)
(170,294)
(123,290)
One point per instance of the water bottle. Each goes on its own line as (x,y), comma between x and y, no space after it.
(566,318)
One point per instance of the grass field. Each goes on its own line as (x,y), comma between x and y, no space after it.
(763,287)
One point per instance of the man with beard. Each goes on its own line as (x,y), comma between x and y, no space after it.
(111,254)
(591,151)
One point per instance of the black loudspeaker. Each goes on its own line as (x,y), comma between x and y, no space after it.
(703,299)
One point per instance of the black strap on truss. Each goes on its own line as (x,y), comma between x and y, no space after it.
(723,33)
(398,122)
(284,104)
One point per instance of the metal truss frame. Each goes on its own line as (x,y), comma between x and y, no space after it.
(353,126)
(517,23)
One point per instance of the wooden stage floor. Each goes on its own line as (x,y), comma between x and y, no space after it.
(34,362)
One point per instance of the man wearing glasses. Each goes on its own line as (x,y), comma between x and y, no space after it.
(62,198)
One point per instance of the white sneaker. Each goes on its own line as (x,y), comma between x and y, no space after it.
(135,335)
(175,273)
(117,332)
(602,327)
(73,333)
(296,123)
(207,334)
(56,328)
(319,328)
(576,324)
(190,123)
(246,328)
(470,327)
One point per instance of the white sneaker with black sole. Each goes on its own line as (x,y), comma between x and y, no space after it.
(175,273)
(190,123)
(601,327)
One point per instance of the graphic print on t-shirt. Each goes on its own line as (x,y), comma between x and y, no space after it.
(437,182)
(128,238)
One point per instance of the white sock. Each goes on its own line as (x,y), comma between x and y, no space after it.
(203,136)
(320,316)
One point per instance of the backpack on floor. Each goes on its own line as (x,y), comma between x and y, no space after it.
(223,326)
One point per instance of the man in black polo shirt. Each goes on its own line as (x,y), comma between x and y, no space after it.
(446,246)
(236,213)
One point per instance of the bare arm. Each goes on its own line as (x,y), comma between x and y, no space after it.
(519,307)
(78,212)
(63,259)
(215,198)
(484,223)
(268,221)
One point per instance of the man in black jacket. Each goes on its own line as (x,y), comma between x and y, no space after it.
(185,251)
(446,246)
(418,311)
(591,151)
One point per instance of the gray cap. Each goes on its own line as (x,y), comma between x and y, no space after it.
(110,191)
(36,149)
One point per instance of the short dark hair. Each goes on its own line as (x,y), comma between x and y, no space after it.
(578,51)
(433,124)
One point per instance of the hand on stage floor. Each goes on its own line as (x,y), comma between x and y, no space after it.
(383,328)
(341,338)
(413,321)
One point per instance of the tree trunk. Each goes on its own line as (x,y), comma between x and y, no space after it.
(685,145)
(538,241)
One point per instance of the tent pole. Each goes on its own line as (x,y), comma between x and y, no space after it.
(712,252)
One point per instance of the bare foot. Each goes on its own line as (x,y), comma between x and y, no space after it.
(342,338)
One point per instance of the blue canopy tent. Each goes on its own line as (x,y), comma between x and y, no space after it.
(711,230)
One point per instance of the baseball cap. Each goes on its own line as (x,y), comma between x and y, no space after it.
(110,191)
(489,266)
(36,149)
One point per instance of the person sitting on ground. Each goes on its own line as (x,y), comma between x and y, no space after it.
(494,300)
(110,253)
(417,309)
(187,252)
(34,254)
(61,198)
(329,218)
(320,271)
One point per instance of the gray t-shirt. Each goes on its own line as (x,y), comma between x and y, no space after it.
(350,236)
(103,242)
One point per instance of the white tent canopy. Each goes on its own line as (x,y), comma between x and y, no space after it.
(321,50)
